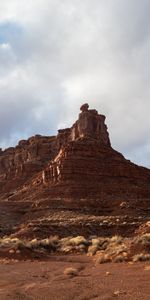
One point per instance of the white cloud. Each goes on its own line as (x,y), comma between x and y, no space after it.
(54,55)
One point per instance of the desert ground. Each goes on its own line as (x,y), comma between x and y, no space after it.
(47,279)
(74,217)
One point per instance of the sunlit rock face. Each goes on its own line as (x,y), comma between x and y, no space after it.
(78,163)
(89,129)
(86,165)
(18,164)
(31,155)
(90,125)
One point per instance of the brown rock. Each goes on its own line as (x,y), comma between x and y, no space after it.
(78,164)
(20,163)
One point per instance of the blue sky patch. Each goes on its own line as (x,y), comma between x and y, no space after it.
(10,32)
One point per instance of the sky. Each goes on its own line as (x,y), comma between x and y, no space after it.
(58,54)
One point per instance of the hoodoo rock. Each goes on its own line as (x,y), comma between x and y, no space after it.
(20,164)
(77,143)
(89,125)
(78,163)
(75,169)
(86,165)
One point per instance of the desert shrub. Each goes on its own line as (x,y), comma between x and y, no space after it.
(66,249)
(117,249)
(78,240)
(81,248)
(73,244)
(116,239)
(71,271)
(119,259)
(103,258)
(54,243)
(20,245)
(65,241)
(44,243)
(50,244)
(98,244)
(141,257)
(143,239)
(33,244)
(65,245)
(101,242)
(92,250)
(14,243)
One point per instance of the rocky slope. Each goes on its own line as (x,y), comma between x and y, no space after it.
(74,175)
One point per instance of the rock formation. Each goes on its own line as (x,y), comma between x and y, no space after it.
(79,163)
(89,125)
(20,163)
(75,171)
(29,157)
(89,128)
(86,166)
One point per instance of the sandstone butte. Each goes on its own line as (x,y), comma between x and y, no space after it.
(75,170)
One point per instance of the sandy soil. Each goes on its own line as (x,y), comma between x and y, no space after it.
(41,280)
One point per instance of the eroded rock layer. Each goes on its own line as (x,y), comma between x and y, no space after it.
(77,163)
(86,166)
(19,164)
(72,183)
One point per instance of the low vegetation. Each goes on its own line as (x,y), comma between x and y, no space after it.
(104,249)
(141,257)
(144,240)
(71,271)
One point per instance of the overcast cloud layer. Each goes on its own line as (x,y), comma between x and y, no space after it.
(57,54)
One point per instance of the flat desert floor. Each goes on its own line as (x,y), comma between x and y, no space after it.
(42,280)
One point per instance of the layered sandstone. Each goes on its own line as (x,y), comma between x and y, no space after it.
(78,163)
(88,167)
(87,134)
(19,164)
(67,184)
(89,125)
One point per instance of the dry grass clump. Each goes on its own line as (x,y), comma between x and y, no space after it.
(67,249)
(71,271)
(50,244)
(112,249)
(106,249)
(92,250)
(98,244)
(103,258)
(144,239)
(140,244)
(117,249)
(33,244)
(78,240)
(141,257)
(73,244)
(119,258)
(116,239)
(13,243)
(101,243)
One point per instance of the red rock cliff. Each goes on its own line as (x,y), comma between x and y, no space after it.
(79,163)
(87,167)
